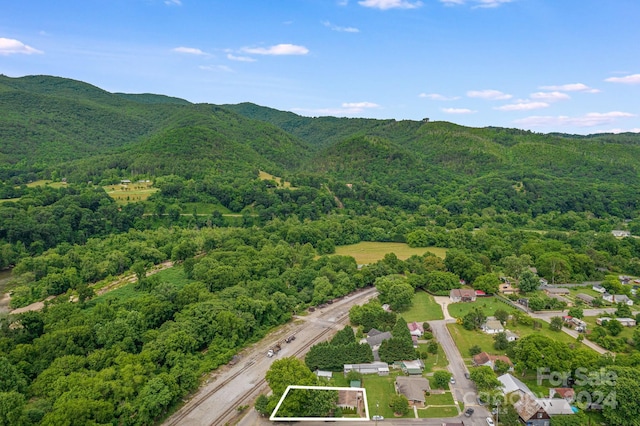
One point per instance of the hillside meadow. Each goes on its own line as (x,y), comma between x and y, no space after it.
(367,252)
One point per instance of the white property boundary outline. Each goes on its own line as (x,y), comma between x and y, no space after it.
(273,417)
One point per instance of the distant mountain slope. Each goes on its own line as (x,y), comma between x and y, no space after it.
(150,98)
(50,120)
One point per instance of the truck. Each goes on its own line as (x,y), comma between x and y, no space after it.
(290,338)
(274,350)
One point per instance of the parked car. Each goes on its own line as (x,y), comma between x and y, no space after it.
(467,375)
(452,381)
(377,418)
(490,422)
(468,412)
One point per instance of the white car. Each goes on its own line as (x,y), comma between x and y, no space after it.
(377,418)
(490,422)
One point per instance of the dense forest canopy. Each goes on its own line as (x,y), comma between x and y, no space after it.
(249,204)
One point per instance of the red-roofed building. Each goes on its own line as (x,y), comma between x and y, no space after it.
(416,329)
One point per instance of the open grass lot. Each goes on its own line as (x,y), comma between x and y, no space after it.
(465,339)
(276,179)
(43,182)
(440,399)
(131,193)
(434,362)
(488,305)
(435,412)
(369,252)
(584,290)
(627,332)
(379,390)
(424,308)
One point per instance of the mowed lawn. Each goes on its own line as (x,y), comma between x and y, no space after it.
(488,305)
(370,252)
(465,339)
(380,389)
(424,308)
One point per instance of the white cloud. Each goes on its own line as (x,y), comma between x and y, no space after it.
(458,111)
(9,46)
(491,3)
(550,96)
(240,58)
(629,79)
(488,94)
(390,4)
(522,106)
(618,130)
(173,2)
(188,50)
(588,120)
(438,97)
(277,50)
(340,29)
(573,87)
(347,108)
(215,68)
(360,105)
(478,3)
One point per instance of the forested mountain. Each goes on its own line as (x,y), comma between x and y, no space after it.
(249,202)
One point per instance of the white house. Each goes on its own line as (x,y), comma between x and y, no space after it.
(492,326)
(599,288)
(617,298)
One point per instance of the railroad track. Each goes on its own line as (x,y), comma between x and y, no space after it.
(231,411)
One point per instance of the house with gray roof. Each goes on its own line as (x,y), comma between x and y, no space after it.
(413,388)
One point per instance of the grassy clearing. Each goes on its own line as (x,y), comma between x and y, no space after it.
(131,193)
(440,399)
(43,182)
(369,252)
(434,362)
(488,305)
(465,339)
(278,180)
(437,412)
(424,308)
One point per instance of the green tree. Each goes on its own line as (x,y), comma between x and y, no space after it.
(488,283)
(614,327)
(529,282)
(485,379)
(399,404)
(576,312)
(474,319)
(475,350)
(441,379)
(500,342)
(623,311)
(400,296)
(556,324)
(501,315)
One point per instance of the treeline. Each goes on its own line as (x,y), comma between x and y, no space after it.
(128,358)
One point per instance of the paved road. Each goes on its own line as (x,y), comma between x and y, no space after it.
(234,386)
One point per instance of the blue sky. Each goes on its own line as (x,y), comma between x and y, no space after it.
(546,65)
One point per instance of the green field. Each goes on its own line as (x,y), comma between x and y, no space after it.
(437,412)
(379,391)
(369,252)
(434,362)
(424,308)
(131,193)
(43,182)
(488,305)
